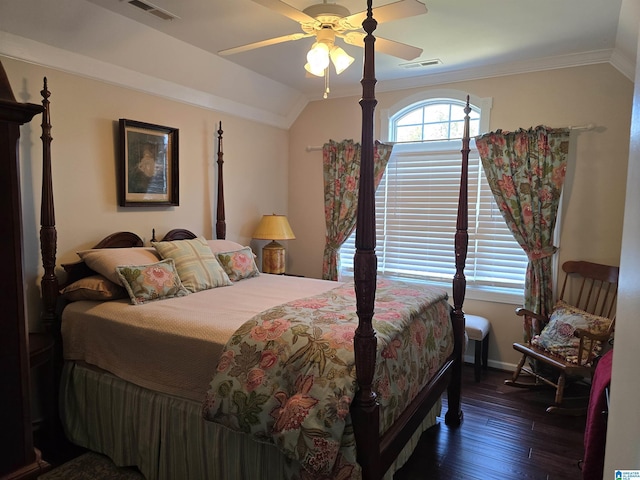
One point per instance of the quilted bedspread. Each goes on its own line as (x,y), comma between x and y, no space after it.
(287,376)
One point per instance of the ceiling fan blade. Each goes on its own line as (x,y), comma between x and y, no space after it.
(397,49)
(390,47)
(286,10)
(387,13)
(264,43)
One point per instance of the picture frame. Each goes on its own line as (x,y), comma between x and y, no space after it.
(148,166)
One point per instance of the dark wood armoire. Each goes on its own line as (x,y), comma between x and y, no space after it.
(18,457)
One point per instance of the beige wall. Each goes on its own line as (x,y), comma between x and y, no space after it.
(262,176)
(596,177)
(84,117)
(623,424)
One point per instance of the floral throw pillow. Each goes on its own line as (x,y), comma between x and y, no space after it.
(557,336)
(146,283)
(238,264)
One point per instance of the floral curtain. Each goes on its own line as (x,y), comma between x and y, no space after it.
(526,171)
(341,164)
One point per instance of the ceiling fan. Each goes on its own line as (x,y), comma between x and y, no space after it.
(326,21)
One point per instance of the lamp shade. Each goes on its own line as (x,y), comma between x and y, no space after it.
(317,72)
(274,227)
(318,57)
(340,59)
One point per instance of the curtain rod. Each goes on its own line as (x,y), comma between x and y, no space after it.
(310,148)
(588,126)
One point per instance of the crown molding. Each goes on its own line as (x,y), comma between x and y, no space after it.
(622,63)
(500,70)
(27,50)
(31,51)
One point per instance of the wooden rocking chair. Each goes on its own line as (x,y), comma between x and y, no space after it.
(573,334)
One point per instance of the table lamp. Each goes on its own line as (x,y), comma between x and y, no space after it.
(273,227)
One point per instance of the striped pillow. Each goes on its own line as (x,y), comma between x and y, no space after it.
(196,264)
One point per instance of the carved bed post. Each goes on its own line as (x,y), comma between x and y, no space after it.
(365,408)
(48,234)
(221,226)
(453,416)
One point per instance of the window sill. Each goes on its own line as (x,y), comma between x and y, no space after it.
(494,295)
(484,294)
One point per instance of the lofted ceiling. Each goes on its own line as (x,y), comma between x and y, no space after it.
(118,43)
(461,35)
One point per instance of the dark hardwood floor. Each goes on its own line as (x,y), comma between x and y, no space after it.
(506,434)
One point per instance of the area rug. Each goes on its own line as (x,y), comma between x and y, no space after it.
(91,466)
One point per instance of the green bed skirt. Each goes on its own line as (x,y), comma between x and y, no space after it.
(165,437)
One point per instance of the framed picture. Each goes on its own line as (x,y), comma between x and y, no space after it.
(148,165)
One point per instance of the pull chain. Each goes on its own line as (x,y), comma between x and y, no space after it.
(326,83)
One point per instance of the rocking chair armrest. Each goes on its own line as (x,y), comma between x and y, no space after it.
(588,350)
(601,337)
(523,312)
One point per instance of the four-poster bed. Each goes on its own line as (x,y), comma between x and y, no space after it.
(114,426)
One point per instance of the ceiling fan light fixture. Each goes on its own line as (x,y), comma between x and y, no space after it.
(340,59)
(318,58)
(310,69)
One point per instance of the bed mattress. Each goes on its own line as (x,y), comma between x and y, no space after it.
(172,346)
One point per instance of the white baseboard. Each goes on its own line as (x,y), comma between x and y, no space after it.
(507,367)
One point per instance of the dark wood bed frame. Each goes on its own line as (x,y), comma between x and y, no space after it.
(375,453)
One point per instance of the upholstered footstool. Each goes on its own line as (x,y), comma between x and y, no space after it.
(477,329)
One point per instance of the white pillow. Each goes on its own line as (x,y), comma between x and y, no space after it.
(221,246)
(105,260)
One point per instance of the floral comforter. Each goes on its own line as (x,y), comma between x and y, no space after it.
(287,376)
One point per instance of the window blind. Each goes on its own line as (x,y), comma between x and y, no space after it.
(416,211)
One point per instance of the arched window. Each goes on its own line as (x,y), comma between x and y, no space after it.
(417,201)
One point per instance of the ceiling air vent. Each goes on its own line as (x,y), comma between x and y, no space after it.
(422,63)
(153,9)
